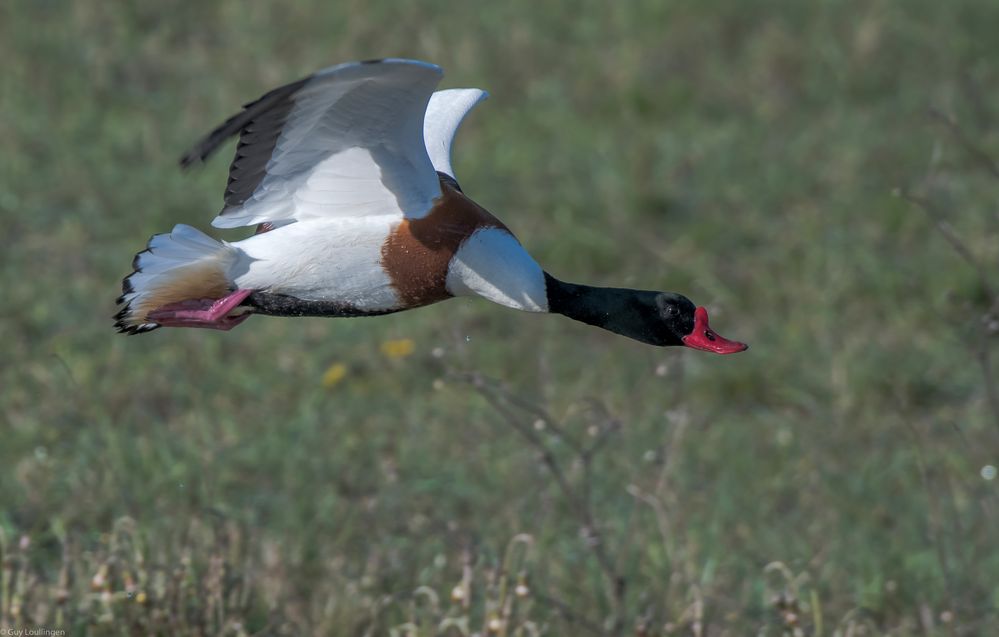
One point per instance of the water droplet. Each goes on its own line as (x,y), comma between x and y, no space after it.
(180,485)
(988,472)
(468,339)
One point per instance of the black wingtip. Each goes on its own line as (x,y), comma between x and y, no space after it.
(211,142)
(189,159)
(201,151)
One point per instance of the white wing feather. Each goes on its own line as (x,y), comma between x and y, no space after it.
(445,112)
(352,145)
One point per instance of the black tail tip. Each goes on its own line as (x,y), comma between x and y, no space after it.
(130,329)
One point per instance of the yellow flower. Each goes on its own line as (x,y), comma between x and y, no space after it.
(398,348)
(333,375)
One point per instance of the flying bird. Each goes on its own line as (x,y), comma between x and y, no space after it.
(347,176)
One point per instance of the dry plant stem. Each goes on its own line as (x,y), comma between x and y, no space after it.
(945,229)
(530,408)
(976,97)
(984,357)
(973,150)
(579,500)
(570,615)
(982,351)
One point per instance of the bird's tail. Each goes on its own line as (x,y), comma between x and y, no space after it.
(184,264)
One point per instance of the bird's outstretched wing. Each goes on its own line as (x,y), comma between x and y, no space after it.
(445,112)
(345,141)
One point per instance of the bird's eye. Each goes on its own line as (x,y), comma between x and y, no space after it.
(671,310)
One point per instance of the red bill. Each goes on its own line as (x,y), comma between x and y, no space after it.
(704,338)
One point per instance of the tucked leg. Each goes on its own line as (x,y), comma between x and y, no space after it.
(207,313)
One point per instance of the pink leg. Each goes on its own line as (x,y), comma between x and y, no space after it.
(207,313)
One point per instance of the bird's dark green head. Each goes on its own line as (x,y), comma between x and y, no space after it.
(657,318)
(689,324)
(671,316)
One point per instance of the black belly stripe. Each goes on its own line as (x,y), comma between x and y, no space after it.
(283,305)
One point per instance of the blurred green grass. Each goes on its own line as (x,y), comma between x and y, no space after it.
(744,154)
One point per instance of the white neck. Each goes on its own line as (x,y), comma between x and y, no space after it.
(493,265)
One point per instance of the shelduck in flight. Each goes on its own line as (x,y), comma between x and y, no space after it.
(347,176)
